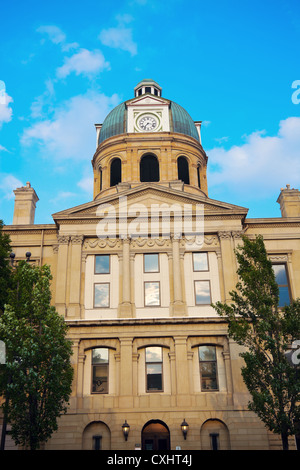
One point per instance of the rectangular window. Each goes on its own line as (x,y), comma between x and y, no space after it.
(152,294)
(101,295)
(282,281)
(208,368)
(154,365)
(200,262)
(151,263)
(100,370)
(102,264)
(202,293)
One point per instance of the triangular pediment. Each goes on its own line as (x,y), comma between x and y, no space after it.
(148,100)
(151,195)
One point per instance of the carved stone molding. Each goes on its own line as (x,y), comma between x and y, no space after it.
(63,239)
(103,243)
(77,239)
(224,235)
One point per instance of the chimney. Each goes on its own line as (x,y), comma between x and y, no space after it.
(289,200)
(25,202)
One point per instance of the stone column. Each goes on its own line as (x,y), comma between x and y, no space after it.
(182,371)
(179,307)
(75,276)
(228,263)
(125,308)
(126,370)
(61,278)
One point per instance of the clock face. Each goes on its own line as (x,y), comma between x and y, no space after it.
(148,123)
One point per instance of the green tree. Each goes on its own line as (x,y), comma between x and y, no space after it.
(38,373)
(5,269)
(266,331)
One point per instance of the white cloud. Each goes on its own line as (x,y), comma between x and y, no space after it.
(262,164)
(5,109)
(8,183)
(86,184)
(55,34)
(70,133)
(119,38)
(83,62)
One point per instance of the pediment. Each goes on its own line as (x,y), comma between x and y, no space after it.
(151,196)
(148,100)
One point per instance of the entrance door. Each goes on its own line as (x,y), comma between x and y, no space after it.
(155,436)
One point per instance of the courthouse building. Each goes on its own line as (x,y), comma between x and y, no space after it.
(134,274)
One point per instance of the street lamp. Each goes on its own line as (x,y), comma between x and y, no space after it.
(184,428)
(125,428)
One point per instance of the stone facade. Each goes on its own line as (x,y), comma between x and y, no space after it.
(109,310)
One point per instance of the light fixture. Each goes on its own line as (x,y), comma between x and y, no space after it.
(184,428)
(125,428)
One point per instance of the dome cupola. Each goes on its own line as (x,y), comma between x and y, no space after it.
(149,139)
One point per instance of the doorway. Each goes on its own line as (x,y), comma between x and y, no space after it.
(155,436)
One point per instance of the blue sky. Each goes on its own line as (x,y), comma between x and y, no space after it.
(230,64)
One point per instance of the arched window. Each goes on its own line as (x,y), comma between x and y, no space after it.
(115,172)
(149,168)
(198,176)
(183,170)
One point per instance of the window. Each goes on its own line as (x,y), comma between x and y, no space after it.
(183,170)
(208,368)
(152,294)
(115,172)
(102,264)
(148,89)
(198,176)
(154,363)
(101,295)
(100,370)
(202,293)
(149,169)
(282,281)
(200,262)
(151,263)
(101,178)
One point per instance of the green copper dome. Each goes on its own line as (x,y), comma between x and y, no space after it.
(116,121)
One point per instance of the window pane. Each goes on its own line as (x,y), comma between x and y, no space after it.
(102,264)
(200,262)
(101,295)
(154,354)
(207,353)
(280,274)
(284,296)
(154,376)
(208,376)
(100,375)
(202,291)
(100,355)
(152,294)
(151,263)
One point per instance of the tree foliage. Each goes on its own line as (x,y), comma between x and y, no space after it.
(267,332)
(5,269)
(38,378)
